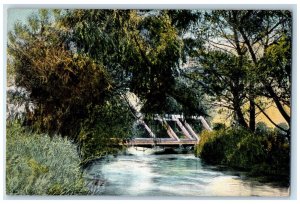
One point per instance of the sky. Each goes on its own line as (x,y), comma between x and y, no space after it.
(15,15)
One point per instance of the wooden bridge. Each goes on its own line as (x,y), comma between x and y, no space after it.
(191,138)
(165,142)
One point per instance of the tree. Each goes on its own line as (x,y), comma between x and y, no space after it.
(248,35)
(223,66)
(142,50)
(76,62)
(224,81)
(276,67)
(64,85)
(271,28)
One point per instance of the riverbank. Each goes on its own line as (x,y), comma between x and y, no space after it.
(39,165)
(263,156)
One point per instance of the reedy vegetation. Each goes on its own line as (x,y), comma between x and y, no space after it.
(39,165)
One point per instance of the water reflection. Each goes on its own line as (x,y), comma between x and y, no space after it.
(172,175)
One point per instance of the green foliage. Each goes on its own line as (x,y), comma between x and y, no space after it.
(39,165)
(190,97)
(74,64)
(147,50)
(159,129)
(224,78)
(112,124)
(276,66)
(206,137)
(283,126)
(261,128)
(78,65)
(247,55)
(261,154)
(63,85)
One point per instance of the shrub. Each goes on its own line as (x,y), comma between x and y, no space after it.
(260,154)
(39,165)
(205,148)
(261,128)
(110,125)
(247,151)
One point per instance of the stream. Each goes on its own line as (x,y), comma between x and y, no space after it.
(171,175)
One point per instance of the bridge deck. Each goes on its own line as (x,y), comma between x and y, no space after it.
(146,142)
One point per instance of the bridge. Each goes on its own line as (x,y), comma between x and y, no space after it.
(165,142)
(188,135)
(190,138)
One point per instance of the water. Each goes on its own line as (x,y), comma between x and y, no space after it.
(171,175)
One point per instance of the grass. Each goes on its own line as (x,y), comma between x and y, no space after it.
(37,164)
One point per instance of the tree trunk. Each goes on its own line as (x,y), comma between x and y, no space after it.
(278,104)
(251,95)
(237,108)
(238,112)
(251,109)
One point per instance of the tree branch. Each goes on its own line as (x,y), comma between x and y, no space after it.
(268,32)
(263,112)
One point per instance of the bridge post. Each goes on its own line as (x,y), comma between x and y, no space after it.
(205,124)
(186,133)
(147,128)
(192,131)
(170,131)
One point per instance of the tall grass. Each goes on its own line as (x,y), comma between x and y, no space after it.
(39,165)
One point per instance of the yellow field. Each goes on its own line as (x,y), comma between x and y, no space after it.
(272,112)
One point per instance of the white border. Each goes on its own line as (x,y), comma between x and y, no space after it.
(217,4)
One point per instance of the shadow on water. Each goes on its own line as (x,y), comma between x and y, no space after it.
(272,180)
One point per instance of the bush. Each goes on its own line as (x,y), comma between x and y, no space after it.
(109,126)
(260,154)
(205,148)
(261,128)
(39,165)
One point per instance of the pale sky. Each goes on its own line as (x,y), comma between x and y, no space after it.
(15,15)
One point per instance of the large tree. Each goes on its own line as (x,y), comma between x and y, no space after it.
(76,64)
(251,36)
(64,85)
(260,31)
(142,49)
